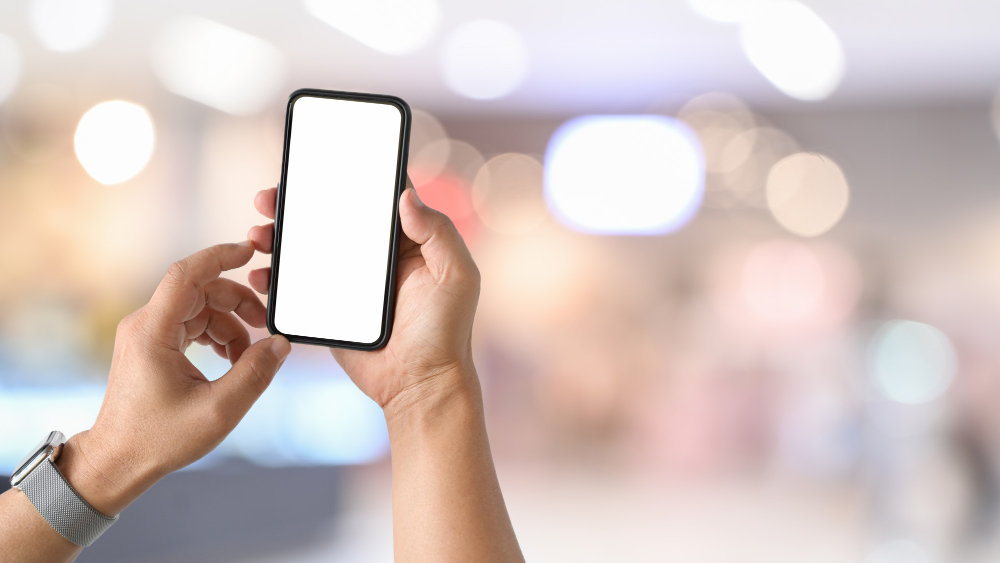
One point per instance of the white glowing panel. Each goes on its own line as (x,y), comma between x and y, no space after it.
(794,49)
(484,60)
(114,141)
(725,11)
(911,362)
(337,219)
(394,27)
(218,66)
(10,67)
(69,25)
(624,175)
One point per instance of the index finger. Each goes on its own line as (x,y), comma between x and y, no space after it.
(179,297)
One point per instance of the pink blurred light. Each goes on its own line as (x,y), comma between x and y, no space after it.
(782,282)
(779,285)
(450,195)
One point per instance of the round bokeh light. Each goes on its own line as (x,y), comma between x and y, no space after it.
(911,362)
(114,141)
(807,193)
(69,25)
(484,60)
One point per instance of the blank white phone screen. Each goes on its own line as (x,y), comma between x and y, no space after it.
(337,220)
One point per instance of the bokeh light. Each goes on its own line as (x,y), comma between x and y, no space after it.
(625,175)
(911,362)
(484,60)
(807,193)
(394,27)
(898,551)
(217,65)
(508,195)
(429,148)
(464,160)
(740,149)
(450,195)
(782,281)
(10,67)
(794,49)
(69,25)
(114,141)
(725,11)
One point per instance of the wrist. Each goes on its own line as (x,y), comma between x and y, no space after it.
(433,399)
(109,483)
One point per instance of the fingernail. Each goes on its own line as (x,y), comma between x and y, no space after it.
(416,198)
(280,346)
(247,242)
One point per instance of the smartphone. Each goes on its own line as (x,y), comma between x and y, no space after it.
(336,228)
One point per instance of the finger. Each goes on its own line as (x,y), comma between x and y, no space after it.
(219,349)
(265,201)
(229,338)
(443,248)
(260,279)
(179,298)
(226,295)
(262,237)
(249,377)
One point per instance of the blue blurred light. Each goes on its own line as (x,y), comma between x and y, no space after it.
(312,414)
(624,175)
(911,362)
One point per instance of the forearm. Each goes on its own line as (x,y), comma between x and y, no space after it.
(27,537)
(447,504)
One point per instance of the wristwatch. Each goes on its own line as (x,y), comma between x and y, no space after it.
(55,499)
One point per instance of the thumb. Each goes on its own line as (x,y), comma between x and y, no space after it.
(244,383)
(442,247)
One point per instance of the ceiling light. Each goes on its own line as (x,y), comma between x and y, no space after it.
(217,65)
(484,60)
(794,49)
(394,27)
(114,141)
(626,175)
(10,67)
(69,25)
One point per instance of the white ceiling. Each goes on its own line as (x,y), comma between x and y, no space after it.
(586,55)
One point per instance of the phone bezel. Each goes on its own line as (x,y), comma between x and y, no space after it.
(389,302)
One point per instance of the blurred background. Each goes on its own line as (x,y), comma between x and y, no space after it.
(741,263)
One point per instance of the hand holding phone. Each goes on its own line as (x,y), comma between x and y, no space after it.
(437,291)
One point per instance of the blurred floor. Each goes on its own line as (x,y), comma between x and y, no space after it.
(567,514)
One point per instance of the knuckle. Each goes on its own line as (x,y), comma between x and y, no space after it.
(128,326)
(177,272)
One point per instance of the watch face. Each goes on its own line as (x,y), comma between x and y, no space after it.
(35,456)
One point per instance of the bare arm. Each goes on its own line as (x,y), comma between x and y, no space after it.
(159,413)
(447,504)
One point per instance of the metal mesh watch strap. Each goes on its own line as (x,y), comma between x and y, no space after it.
(62,507)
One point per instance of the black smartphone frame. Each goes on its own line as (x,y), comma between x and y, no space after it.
(389,302)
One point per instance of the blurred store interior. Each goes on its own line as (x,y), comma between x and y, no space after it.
(741,263)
